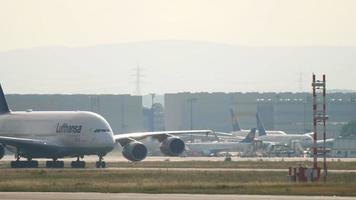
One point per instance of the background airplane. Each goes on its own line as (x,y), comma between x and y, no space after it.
(236,132)
(280,137)
(263,131)
(215,147)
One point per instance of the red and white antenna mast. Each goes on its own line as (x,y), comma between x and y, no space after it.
(319,117)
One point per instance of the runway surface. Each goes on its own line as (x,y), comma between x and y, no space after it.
(212,169)
(181,169)
(125,196)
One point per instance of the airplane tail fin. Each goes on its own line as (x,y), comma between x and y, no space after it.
(260,126)
(235,121)
(251,136)
(4,108)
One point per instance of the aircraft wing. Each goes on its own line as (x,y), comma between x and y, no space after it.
(159,135)
(21,142)
(224,134)
(210,148)
(271,143)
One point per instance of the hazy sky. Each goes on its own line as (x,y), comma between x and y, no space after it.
(247,23)
(32,23)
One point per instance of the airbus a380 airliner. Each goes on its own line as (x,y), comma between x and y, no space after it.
(60,134)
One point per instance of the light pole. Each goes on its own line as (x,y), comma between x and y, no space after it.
(153,95)
(191,101)
(152,116)
(123,125)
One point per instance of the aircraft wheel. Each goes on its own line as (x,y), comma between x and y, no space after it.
(78,164)
(60,164)
(33,164)
(24,164)
(100,164)
(49,164)
(55,164)
(15,164)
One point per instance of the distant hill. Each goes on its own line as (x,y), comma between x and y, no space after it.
(174,66)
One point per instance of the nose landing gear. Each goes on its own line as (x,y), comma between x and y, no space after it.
(100,163)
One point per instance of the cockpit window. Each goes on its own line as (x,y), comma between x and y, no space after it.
(101,130)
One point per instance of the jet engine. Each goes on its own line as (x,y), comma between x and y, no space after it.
(2,151)
(134,151)
(172,146)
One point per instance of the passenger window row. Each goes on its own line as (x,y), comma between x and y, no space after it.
(101,130)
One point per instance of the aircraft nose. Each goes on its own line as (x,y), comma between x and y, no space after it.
(109,139)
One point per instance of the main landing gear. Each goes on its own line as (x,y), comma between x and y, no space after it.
(54,164)
(100,163)
(29,163)
(78,163)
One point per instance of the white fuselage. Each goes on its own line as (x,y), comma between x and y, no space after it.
(240,133)
(286,139)
(207,148)
(276,132)
(243,133)
(68,133)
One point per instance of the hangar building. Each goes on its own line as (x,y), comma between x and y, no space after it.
(290,112)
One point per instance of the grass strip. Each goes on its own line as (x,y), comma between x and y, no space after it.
(163,181)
